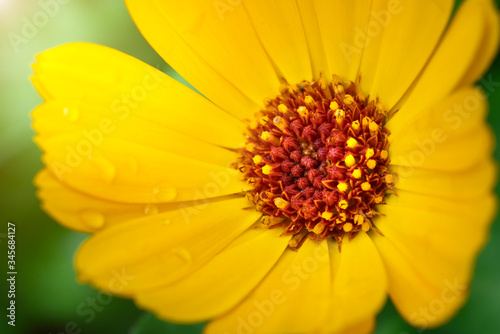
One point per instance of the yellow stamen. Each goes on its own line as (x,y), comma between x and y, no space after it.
(378,199)
(342,186)
(334,105)
(303,111)
(343,216)
(352,143)
(264,120)
(355,125)
(350,161)
(309,99)
(282,108)
(366,186)
(257,159)
(348,99)
(366,226)
(266,135)
(339,115)
(384,154)
(280,123)
(389,178)
(281,203)
(327,215)
(343,204)
(369,153)
(359,219)
(348,227)
(357,173)
(373,128)
(250,147)
(266,170)
(371,164)
(318,228)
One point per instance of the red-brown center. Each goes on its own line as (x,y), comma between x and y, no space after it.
(317,158)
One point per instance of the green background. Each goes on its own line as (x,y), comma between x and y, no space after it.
(48,295)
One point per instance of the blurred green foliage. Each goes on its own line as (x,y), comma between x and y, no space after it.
(48,298)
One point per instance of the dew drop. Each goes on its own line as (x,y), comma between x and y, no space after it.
(93,219)
(151,209)
(71,113)
(164,192)
(183,253)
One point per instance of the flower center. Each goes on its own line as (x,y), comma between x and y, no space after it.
(317,159)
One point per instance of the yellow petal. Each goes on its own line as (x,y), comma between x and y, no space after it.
(123,171)
(400,38)
(449,63)
(364,327)
(293,298)
(157,250)
(359,287)
(214,46)
(458,113)
(280,29)
(341,25)
(489,44)
(447,154)
(204,294)
(123,89)
(464,184)
(85,213)
(429,248)
(96,124)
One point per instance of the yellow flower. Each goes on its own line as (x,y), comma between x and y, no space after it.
(208,207)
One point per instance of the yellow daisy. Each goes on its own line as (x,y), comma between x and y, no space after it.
(338,154)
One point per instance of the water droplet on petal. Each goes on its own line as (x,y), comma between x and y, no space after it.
(107,170)
(183,253)
(93,219)
(151,209)
(164,192)
(71,113)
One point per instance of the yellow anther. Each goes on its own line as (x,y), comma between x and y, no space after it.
(342,186)
(366,121)
(303,111)
(309,99)
(348,99)
(334,105)
(348,227)
(318,228)
(281,203)
(384,154)
(371,164)
(343,216)
(254,124)
(352,143)
(359,219)
(282,108)
(355,125)
(279,122)
(389,178)
(250,147)
(257,159)
(378,199)
(264,120)
(369,153)
(373,128)
(366,186)
(357,173)
(266,135)
(343,204)
(339,115)
(366,226)
(266,170)
(327,215)
(350,161)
